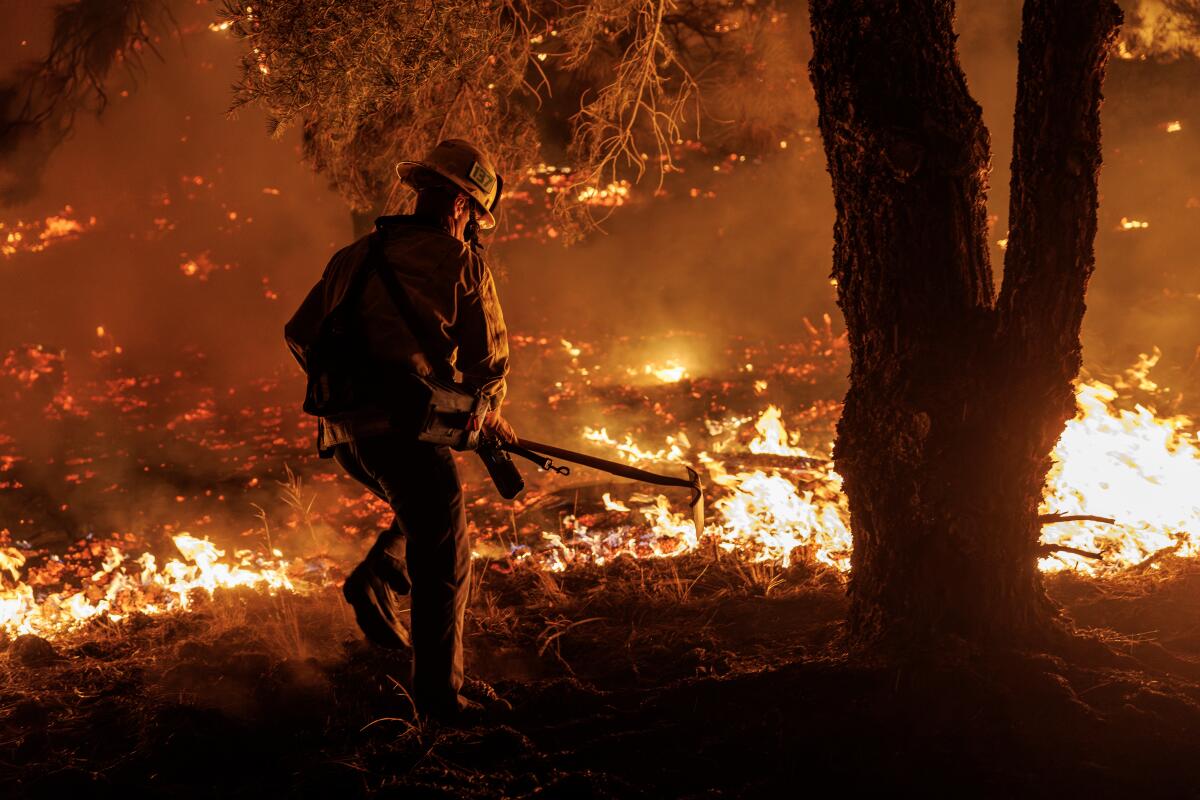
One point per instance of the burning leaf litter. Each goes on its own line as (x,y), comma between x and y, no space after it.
(775,495)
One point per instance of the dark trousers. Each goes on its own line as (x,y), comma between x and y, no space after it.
(420,482)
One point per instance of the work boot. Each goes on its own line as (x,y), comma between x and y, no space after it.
(483,706)
(388,561)
(462,712)
(391,570)
(376,606)
(489,699)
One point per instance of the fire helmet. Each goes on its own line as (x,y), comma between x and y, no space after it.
(467,167)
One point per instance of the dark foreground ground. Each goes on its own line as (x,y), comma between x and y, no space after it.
(647,680)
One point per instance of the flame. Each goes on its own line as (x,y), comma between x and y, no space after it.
(760,515)
(629,450)
(123,585)
(1129,464)
(1157,29)
(609,505)
(773,494)
(773,438)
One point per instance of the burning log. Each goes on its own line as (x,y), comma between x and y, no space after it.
(780,461)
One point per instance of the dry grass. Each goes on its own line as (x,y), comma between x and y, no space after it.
(619,674)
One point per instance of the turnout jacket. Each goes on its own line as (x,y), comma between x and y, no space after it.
(458,332)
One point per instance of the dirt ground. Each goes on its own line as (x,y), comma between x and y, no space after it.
(683,678)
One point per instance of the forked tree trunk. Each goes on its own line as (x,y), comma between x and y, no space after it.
(956,397)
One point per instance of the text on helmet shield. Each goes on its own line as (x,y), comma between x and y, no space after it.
(481,177)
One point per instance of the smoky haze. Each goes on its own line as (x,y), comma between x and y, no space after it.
(172,181)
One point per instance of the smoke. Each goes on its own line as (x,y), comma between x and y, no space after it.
(1161,29)
(208,234)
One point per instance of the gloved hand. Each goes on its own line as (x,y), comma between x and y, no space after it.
(498,426)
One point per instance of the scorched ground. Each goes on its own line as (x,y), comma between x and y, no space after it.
(190,610)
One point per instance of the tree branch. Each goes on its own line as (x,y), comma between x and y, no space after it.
(1056,160)
(1050,549)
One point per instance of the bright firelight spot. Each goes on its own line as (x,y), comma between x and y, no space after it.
(670,371)
(1128,224)
(612,195)
(1174,126)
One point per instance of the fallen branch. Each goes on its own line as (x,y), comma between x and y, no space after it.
(775,461)
(1155,556)
(1048,549)
(1052,519)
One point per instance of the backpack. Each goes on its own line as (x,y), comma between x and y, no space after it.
(432,410)
(334,362)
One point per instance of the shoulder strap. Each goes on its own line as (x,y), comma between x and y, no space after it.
(395,289)
(358,281)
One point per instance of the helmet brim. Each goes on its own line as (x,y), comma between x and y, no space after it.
(406,169)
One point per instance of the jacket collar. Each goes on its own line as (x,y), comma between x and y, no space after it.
(409,220)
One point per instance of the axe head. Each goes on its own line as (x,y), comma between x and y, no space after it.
(697,501)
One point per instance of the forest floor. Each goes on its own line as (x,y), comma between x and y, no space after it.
(655,678)
(647,679)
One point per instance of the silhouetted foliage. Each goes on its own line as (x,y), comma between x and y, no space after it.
(372,84)
(39,102)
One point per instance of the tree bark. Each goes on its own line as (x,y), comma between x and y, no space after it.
(956,398)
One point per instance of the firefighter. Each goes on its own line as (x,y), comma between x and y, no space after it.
(457,333)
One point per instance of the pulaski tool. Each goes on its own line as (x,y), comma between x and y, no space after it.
(446,414)
(508,481)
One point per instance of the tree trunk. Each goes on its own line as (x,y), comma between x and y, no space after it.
(955,399)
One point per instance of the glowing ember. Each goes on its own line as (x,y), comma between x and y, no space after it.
(610,196)
(201,266)
(33,237)
(1133,224)
(1174,126)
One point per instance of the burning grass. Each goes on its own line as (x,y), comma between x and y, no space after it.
(139,526)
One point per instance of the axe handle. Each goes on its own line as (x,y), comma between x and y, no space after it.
(604,465)
(625,471)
